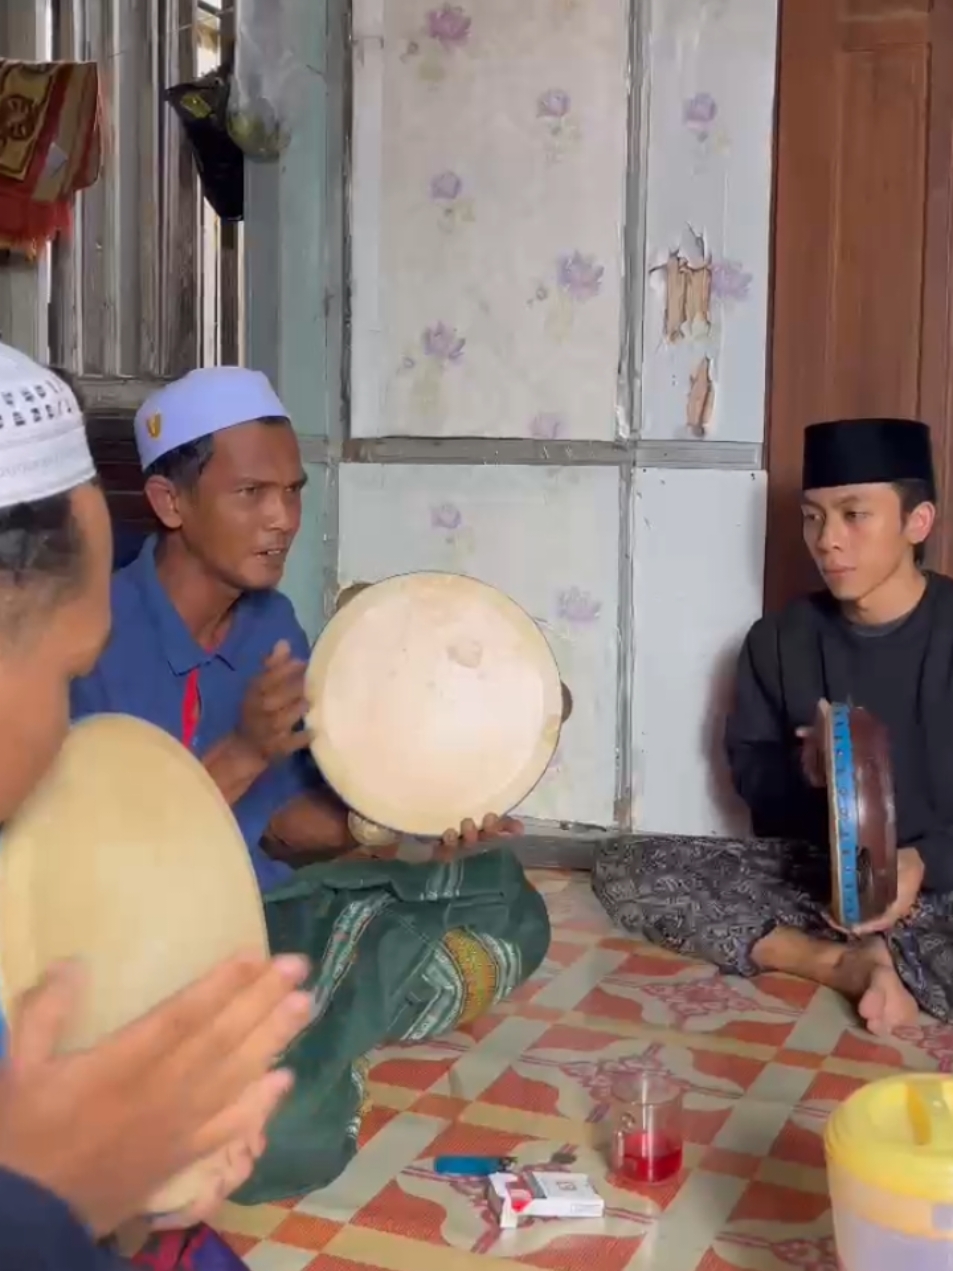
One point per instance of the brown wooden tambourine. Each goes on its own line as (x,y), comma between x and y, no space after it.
(862,815)
(433,699)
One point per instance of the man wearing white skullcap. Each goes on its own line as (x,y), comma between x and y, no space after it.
(86,1138)
(206,647)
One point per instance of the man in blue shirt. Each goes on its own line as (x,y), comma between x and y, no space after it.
(204,646)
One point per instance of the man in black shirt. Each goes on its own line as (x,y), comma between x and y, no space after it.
(879,636)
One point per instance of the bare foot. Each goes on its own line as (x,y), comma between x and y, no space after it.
(886,1004)
(862,971)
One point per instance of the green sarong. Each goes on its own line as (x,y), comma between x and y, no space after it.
(402,953)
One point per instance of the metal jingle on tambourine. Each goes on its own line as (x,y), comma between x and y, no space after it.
(369,833)
(863,835)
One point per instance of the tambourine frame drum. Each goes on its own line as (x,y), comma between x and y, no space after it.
(126,858)
(433,699)
(863,828)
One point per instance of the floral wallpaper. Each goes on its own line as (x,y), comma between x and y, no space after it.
(548,537)
(488,204)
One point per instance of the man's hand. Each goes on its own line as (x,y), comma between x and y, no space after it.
(274,706)
(104,1128)
(493,827)
(813,750)
(910,870)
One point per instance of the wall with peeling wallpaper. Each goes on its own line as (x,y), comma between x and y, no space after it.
(501,260)
(712,67)
(698,559)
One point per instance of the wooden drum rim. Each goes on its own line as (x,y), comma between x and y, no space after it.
(863,837)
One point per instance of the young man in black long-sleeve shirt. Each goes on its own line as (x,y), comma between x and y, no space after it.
(879,636)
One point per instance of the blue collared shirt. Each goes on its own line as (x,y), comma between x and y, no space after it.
(144,671)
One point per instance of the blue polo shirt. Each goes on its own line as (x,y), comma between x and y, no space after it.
(145,669)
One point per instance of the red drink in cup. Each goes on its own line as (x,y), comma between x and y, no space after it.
(647,1141)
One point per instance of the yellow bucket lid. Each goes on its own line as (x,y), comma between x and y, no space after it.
(897,1135)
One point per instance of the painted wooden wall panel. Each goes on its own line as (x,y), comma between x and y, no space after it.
(711,83)
(294,288)
(548,538)
(698,567)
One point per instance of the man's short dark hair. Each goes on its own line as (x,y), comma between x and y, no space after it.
(185,464)
(41,558)
(913,491)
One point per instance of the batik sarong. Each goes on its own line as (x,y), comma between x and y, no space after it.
(714,899)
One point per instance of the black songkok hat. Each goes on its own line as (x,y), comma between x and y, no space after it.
(867,452)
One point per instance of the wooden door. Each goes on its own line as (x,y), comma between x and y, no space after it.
(862,284)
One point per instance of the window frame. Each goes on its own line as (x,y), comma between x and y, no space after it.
(127,289)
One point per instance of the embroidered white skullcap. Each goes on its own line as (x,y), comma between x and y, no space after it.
(200,404)
(43,445)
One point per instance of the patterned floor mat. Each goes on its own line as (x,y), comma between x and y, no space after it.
(761,1065)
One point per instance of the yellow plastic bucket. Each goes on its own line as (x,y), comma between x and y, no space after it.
(890,1166)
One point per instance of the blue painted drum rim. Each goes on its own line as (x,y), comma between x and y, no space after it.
(844,816)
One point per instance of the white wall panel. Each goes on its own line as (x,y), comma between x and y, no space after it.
(699,561)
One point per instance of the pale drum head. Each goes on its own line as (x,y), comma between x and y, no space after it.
(433,699)
(127,858)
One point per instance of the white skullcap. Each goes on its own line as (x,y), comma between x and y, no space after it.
(43,445)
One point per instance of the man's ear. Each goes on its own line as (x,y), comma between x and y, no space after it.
(920,523)
(164,500)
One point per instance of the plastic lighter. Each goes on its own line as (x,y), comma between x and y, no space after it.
(472,1166)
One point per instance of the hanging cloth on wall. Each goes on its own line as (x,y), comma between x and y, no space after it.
(50,148)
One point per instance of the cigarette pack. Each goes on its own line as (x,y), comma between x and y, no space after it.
(535,1194)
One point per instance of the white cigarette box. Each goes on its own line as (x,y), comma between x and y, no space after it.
(534,1194)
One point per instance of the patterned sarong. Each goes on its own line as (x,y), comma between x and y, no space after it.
(402,953)
(714,899)
(50,148)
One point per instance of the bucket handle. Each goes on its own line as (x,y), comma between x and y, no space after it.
(930,1115)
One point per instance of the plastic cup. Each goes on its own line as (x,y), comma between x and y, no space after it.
(647,1133)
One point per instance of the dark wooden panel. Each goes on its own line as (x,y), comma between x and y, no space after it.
(117,462)
(884,8)
(880,195)
(862,296)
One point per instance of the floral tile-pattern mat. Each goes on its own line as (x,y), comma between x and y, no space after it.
(761,1064)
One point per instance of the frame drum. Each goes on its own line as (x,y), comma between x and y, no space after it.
(433,699)
(863,827)
(127,858)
